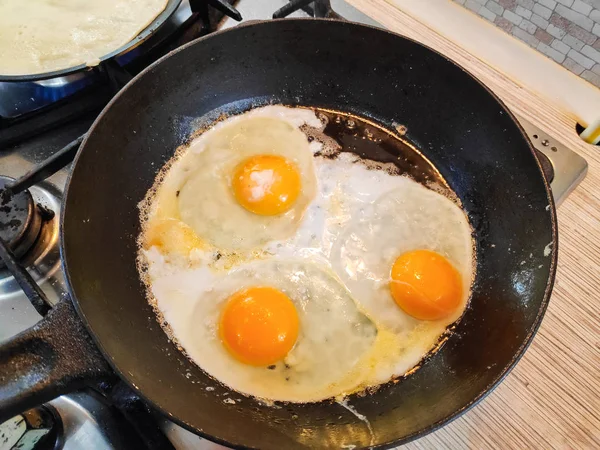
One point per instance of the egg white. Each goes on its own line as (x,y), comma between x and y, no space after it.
(333,336)
(197,188)
(359,223)
(355,223)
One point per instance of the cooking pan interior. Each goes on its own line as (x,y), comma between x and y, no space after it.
(457,123)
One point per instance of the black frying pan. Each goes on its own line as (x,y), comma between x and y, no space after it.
(460,126)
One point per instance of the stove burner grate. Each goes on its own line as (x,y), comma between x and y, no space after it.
(315,8)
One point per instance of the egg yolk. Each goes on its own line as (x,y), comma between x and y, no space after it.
(259,325)
(171,235)
(425,285)
(266,184)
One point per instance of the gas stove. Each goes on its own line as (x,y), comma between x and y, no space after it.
(37,119)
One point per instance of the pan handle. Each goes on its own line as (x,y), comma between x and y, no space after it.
(54,357)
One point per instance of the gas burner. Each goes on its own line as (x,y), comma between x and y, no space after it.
(29,228)
(20,219)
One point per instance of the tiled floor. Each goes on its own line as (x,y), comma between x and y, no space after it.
(568,31)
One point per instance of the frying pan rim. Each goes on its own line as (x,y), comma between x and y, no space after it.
(491,386)
(142,36)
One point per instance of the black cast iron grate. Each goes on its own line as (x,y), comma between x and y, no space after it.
(315,8)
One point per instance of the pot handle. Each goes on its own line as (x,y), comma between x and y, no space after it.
(54,357)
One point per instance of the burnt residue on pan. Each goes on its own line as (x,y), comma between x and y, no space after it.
(369,141)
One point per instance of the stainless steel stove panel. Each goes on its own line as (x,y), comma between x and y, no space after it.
(569,168)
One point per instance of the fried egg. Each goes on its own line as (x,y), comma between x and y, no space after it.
(245,181)
(410,228)
(278,330)
(292,273)
(380,233)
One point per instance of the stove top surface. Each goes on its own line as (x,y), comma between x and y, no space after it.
(564,167)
